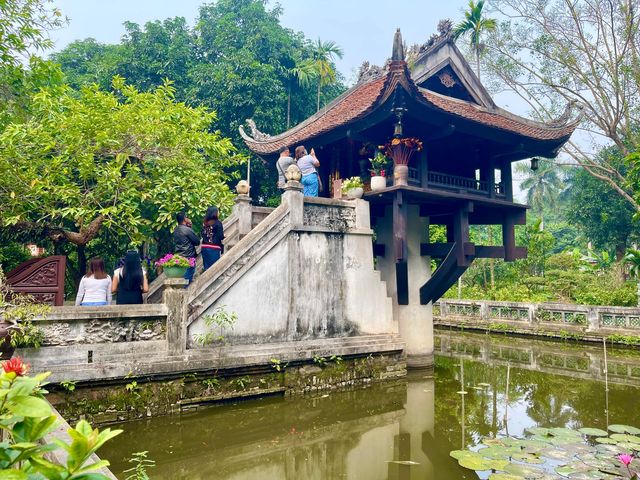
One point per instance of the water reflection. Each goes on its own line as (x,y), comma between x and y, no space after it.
(402,431)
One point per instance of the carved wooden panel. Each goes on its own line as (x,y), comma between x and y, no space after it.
(42,278)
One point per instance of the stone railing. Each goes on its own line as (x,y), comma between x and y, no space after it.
(588,319)
(573,359)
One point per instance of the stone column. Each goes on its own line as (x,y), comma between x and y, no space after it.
(242,210)
(294,198)
(415,321)
(175,298)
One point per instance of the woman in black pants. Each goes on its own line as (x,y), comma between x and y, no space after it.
(212,236)
(130,282)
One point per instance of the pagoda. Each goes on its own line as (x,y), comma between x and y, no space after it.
(459,176)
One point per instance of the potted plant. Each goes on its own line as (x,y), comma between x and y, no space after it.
(400,150)
(175,266)
(17,312)
(378,171)
(353,187)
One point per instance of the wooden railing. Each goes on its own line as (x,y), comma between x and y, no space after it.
(453,181)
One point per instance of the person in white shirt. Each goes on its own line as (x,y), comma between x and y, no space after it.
(308,164)
(95,287)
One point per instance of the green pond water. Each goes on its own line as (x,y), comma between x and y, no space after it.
(365,433)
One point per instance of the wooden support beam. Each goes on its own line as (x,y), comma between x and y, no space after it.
(402,283)
(509,238)
(461,233)
(437,250)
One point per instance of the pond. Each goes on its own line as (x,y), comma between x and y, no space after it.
(401,430)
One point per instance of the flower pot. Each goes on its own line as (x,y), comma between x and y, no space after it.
(6,349)
(378,183)
(174,272)
(355,193)
(401,175)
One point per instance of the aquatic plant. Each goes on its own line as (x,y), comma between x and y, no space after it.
(586,453)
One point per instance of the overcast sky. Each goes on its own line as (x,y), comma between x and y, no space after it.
(363,28)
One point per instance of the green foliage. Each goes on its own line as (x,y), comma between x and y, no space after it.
(277,365)
(68,385)
(26,417)
(604,217)
(27,335)
(125,161)
(217,323)
(241,383)
(139,470)
(237,60)
(351,183)
(378,163)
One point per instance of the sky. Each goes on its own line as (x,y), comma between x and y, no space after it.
(363,28)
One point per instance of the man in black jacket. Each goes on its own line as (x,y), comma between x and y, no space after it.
(185,242)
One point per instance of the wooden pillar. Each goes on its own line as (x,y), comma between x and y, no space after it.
(400,247)
(509,237)
(507,181)
(461,231)
(424,168)
(491,177)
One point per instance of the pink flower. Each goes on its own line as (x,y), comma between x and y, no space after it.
(625,458)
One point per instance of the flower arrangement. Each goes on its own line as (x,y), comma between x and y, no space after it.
(351,183)
(378,165)
(400,150)
(172,260)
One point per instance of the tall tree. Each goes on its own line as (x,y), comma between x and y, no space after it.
(125,161)
(542,186)
(303,72)
(584,52)
(24,25)
(324,54)
(474,26)
(603,216)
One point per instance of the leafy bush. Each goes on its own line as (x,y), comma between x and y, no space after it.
(26,417)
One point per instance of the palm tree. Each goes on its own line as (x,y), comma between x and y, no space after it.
(323,56)
(543,186)
(473,26)
(302,73)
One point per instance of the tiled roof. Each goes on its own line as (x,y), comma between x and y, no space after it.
(363,98)
(350,106)
(499,118)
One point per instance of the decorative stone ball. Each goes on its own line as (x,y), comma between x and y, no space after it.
(243,187)
(293,173)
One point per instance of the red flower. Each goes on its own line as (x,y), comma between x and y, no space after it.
(15,365)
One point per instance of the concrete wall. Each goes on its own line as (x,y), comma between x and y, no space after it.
(315,280)
(414,320)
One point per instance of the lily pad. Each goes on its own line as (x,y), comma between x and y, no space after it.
(458,454)
(607,440)
(538,431)
(624,429)
(623,437)
(478,463)
(593,432)
(527,458)
(526,471)
(505,476)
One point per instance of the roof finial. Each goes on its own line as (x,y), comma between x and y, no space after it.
(398,49)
